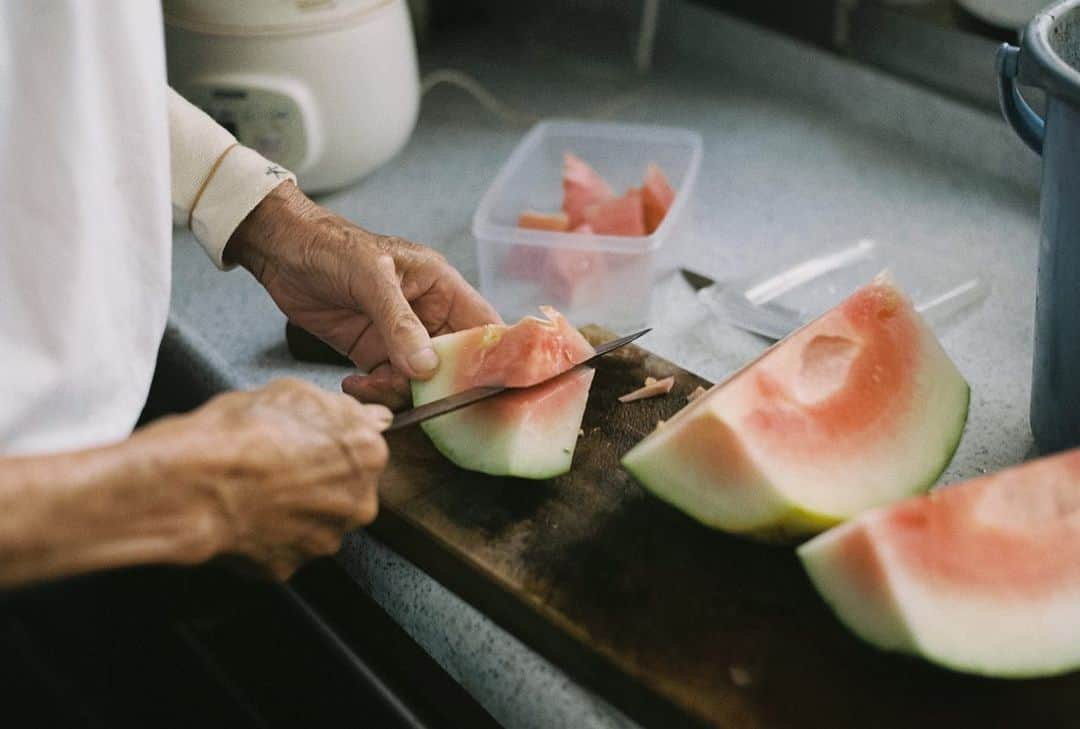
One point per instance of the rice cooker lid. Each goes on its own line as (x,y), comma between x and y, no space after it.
(267,17)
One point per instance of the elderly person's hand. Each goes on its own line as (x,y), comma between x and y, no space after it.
(276,475)
(376,299)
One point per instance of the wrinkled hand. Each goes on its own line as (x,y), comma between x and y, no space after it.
(376,299)
(287,469)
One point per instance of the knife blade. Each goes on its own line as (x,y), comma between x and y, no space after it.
(457,401)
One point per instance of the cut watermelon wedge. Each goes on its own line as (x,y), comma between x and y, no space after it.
(859,408)
(657,196)
(529,434)
(980,577)
(618,216)
(582,187)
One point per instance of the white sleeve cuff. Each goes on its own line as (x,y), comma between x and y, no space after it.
(240,183)
(229,191)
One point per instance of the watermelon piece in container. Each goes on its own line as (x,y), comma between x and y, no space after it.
(582,186)
(529,434)
(524,261)
(657,196)
(859,408)
(559,222)
(575,277)
(980,577)
(624,215)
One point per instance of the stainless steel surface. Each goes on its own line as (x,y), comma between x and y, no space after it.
(457,401)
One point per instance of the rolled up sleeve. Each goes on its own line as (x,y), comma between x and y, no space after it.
(216,182)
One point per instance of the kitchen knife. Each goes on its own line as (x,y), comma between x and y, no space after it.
(449,404)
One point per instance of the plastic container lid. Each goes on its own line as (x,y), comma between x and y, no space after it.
(779,301)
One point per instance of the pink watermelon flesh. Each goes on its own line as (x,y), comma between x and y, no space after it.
(530,434)
(657,197)
(573,277)
(523,261)
(981,577)
(559,222)
(860,408)
(582,187)
(623,215)
(523,354)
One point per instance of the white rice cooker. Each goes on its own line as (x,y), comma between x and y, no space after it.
(328,88)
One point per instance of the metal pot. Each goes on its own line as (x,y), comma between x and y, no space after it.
(1049,58)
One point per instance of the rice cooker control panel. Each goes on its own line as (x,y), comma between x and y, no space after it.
(268,121)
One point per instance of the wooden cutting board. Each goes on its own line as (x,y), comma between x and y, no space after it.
(672,622)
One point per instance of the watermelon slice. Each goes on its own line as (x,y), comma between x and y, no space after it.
(623,215)
(657,196)
(582,187)
(530,434)
(859,408)
(980,577)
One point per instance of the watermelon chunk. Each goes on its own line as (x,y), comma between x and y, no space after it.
(582,186)
(657,195)
(859,408)
(559,222)
(979,577)
(574,277)
(623,215)
(523,261)
(529,434)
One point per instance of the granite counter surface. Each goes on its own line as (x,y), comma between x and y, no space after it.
(782,175)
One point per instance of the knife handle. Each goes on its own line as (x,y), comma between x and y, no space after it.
(306,347)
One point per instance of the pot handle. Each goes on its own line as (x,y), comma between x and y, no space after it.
(1027,124)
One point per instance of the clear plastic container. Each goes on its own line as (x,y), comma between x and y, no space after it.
(779,301)
(597,279)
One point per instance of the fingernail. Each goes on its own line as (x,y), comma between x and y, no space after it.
(384,416)
(424,360)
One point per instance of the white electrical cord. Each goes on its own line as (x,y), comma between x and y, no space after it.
(471,85)
(650,13)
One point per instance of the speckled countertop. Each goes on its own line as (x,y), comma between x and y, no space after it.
(802,151)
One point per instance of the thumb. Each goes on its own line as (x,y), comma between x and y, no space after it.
(407,341)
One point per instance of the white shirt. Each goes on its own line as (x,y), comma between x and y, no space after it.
(87,198)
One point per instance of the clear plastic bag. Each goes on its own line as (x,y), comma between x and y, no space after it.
(779,301)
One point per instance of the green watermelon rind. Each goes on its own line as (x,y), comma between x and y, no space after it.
(431,430)
(797,523)
(912,647)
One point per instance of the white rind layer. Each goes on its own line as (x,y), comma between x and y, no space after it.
(797,494)
(525,448)
(1002,633)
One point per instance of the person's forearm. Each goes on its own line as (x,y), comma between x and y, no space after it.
(270,225)
(107,507)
